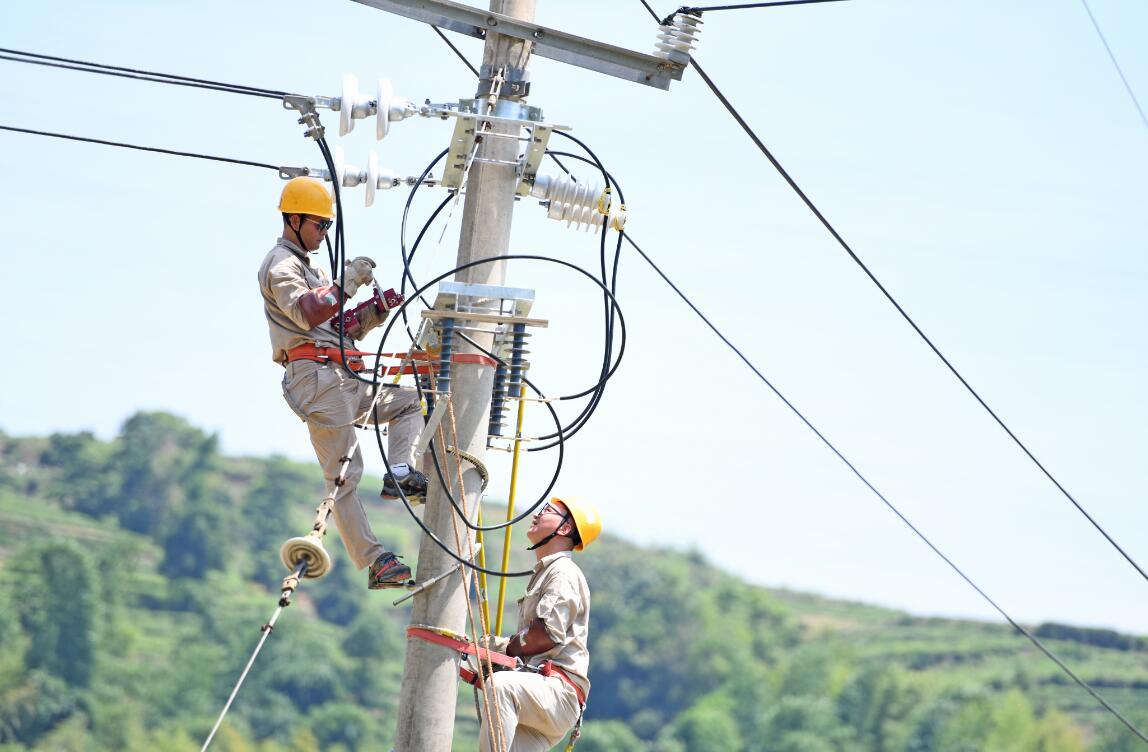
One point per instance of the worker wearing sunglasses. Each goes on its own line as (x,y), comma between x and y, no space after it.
(311,342)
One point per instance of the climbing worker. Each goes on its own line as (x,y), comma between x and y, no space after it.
(302,308)
(544,699)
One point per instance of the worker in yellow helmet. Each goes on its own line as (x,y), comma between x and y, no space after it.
(541,702)
(302,307)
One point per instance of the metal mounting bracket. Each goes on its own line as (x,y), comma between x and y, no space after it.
(549,43)
(468,120)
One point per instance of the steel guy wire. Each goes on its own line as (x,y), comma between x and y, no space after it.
(1115,64)
(1032,638)
(457,51)
(856,259)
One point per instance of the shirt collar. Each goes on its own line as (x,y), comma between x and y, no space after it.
(546,561)
(296,250)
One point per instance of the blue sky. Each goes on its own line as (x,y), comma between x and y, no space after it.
(983,158)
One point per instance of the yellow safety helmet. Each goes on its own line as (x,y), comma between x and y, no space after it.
(307,196)
(586,519)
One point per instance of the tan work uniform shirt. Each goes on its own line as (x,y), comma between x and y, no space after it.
(559,595)
(285,276)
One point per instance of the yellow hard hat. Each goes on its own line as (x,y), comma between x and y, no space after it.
(586,519)
(307,196)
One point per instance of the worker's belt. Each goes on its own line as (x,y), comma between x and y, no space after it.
(310,351)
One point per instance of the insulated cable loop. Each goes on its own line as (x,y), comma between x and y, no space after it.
(378,433)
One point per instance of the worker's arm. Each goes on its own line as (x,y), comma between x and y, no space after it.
(305,306)
(531,640)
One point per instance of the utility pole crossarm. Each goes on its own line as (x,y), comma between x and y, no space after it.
(549,43)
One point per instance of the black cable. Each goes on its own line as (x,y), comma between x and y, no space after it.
(607,372)
(407,274)
(881,496)
(116,70)
(841,241)
(457,51)
(140,148)
(378,433)
(1112,57)
(743,6)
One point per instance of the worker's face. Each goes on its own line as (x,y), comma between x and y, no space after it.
(311,230)
(549,518)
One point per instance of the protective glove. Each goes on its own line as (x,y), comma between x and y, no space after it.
(357,272)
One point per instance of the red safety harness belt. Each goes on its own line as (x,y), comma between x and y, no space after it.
(323,354)
(461,644)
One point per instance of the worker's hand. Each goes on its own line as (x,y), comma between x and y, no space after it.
(489,667)
(361,269)
(357,272)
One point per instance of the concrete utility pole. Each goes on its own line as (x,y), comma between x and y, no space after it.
(430,676)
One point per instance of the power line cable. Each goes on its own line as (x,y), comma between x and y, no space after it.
(1112,57)
(841,241)
(1035,641)
(36,58)
(743,6)
(139,148)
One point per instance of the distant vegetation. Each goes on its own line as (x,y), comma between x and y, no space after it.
(136,574)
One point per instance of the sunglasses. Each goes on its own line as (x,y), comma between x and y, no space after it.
(322,224)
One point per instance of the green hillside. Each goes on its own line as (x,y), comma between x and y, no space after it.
(135,576)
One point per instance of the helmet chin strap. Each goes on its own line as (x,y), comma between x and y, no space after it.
(553,535)
(298,236)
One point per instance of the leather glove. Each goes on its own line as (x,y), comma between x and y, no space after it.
(358,271)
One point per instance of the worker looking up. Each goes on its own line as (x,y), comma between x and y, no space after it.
(300,303)
(540,703)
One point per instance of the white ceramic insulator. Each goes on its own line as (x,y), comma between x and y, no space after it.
(347,104)
(372,176)
(676,39)
(340,165)
(575,203)
(388,179)
(383,109)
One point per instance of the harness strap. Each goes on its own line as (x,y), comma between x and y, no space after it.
(459,643)
(309,351)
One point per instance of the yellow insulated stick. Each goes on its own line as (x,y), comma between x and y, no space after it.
(510,509)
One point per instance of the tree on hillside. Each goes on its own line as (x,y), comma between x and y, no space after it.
(608,736)
(56,598)
(708,725)
(199,534)
(86,480)
(158,458)
(872,702)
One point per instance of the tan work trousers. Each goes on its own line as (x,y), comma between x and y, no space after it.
(535,712)
(331,401)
